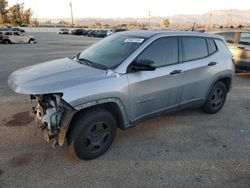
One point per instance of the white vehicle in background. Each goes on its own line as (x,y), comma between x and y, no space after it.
(64,31)
(8,37)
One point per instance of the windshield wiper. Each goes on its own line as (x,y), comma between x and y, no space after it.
(85,61)
(91,63)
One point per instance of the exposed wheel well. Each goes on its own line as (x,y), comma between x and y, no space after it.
(227,82)
(111,107)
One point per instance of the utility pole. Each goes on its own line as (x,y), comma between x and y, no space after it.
(72,20)
(209,24)
(149,17)
(231,19)
(228,19)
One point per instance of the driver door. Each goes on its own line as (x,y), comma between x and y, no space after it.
(152,92)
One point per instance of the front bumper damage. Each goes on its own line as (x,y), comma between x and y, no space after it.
(54,116)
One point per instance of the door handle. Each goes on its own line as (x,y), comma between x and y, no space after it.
(212,63)
(175,72)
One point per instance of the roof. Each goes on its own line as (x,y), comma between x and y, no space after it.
(150,33)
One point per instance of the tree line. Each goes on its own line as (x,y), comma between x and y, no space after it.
(14,15)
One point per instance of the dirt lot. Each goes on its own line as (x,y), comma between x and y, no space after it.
(183,149)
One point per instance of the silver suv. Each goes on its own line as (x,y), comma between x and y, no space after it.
(122,80)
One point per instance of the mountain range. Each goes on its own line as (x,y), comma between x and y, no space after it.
(218,17)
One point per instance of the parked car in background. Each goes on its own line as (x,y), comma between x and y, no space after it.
(86,32)
(12,29)
(8,37)
(112,31)
(64,31)
(78,31)
(4,29)
(90,33)
(123,80)
(99,33)
(239,44)
(96,33)
(18,29)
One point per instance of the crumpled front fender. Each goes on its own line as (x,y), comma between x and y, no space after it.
(65,121)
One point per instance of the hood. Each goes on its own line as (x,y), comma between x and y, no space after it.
(52,76)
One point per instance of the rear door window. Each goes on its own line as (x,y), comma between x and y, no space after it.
(245,38)
(194,48)
(16,34)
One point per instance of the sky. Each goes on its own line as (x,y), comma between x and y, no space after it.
(126,8)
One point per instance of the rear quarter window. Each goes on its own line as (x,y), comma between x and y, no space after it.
(194,48)
(212,48)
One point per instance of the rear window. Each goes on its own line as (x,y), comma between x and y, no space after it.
(245,39)
(228,36)
(194,48)
(211,46)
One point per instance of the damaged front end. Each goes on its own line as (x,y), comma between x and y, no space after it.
(54,115)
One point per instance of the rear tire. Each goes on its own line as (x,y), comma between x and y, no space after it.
(216,98)
(31,42)
(92,135)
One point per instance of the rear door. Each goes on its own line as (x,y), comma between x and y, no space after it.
(154,91)
(198,69)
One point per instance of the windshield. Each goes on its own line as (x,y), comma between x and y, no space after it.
(111,51)
(245,39)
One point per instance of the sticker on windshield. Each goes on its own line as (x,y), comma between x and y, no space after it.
(135,40)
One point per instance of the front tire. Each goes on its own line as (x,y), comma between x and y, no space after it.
(216,98)
(93,134)
(6,42)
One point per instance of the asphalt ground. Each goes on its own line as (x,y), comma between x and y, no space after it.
(183,149)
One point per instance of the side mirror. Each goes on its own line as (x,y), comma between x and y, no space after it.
(143,65)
